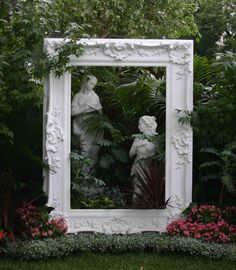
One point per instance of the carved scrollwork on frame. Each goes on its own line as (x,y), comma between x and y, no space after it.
(55,202)
(181,57)
(55,214)
(182,143)
(54,138)
(118,51)
(120,225)
(176,206)
(177,202)
(181,54)
(52,45)
(178,53)
(117,225)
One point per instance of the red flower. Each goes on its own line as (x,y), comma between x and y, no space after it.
(2,234)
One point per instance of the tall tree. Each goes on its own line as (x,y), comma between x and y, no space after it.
(217,25)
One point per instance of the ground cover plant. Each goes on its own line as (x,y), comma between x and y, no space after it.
(117,244)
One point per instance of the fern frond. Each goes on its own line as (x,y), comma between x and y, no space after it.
(210,164)
(231,146)
(228,182)
(120,155)
(210,176)
(210,150)
(105,161)
(203,71)
(227,153)
(103,142)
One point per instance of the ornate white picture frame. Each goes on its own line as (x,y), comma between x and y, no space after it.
(177,57)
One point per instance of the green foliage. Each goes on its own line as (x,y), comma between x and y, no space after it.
(116,244)
(224,166)
(203,71)
(87,191)
(131,19)
(215,19)
(23,65)
(23,62)
(78,164)
(214,128)
(110,141)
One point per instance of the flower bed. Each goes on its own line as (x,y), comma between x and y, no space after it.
(207,222)
(35,223)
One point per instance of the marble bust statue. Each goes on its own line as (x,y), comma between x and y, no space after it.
(84,102)
(142,148)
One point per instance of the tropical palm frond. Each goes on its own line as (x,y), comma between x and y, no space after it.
(203,70)
(158,103)
(106,75)
(150,179)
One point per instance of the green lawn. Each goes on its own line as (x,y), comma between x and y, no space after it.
(133,261)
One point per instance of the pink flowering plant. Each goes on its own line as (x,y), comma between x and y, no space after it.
(36,223)
(5,237)
(204,214)
(205,222)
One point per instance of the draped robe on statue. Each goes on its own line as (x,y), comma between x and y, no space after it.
(84,103)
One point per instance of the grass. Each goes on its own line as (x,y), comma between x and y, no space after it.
(133,261)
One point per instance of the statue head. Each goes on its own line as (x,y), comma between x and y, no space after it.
(89,83)
(147,125)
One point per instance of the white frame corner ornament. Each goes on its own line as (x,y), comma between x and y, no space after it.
(177,57)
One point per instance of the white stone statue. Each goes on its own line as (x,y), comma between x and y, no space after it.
(83,103)
(142,148)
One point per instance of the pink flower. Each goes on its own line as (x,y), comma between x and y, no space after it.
(197,235)
(50,232)
(44,234)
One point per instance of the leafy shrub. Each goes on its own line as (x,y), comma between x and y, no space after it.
(215,141)
(89,191)
(36,224)
(205,222)
(116,244)
(229,214)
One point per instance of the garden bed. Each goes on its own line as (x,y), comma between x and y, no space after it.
(118,244)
